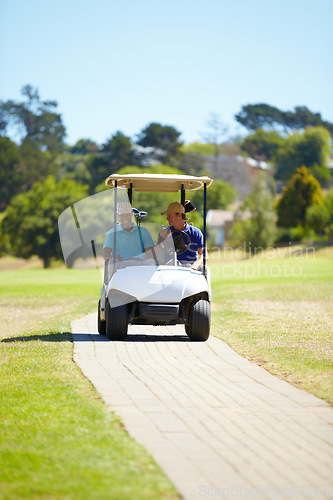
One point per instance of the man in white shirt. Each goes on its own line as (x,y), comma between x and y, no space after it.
(132,241)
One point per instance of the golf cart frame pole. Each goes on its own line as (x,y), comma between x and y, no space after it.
(130,193)
(204,229)
(182,196)
(115,225)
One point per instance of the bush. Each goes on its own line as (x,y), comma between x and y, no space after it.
(319,217)
(30,223)
(259,231)
(302,191)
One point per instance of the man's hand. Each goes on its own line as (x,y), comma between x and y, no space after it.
(107,254)
(165,233)
(199,261)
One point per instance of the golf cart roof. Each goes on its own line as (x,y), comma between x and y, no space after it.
(168,183)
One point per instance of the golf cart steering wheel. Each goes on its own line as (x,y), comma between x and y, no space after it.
(178,239)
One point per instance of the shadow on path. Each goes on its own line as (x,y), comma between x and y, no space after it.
(84,337)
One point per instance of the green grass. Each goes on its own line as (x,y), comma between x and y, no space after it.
(57,440)
(278,312)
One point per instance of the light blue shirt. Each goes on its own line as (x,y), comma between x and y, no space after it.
(128,243)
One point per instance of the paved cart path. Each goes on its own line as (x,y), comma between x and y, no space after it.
(218,425)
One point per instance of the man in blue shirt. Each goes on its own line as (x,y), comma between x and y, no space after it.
(132,242)
(193,256)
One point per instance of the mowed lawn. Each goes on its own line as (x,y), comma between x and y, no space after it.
(276,309)
(57,440)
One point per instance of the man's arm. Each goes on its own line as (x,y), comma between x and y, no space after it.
(107,253)
(199,261)
(149,252)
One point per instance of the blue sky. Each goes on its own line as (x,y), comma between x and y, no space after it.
(119,65)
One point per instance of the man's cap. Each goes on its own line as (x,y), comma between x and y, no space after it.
(174,207)
(124,208)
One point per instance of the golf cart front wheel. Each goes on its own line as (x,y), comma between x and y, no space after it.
(199,321)
(116,321)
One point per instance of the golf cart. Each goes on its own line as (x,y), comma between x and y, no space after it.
(156,290)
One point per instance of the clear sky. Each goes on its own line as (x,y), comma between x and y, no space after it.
(119,65)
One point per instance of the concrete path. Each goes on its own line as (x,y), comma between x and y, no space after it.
(218,425)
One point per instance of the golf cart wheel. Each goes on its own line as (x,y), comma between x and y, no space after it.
(199,321)
(116,321)
(101,324)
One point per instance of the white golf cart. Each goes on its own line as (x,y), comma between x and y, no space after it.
(157,291)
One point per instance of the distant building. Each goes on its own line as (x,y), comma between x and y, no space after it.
(220,222)
(241,172)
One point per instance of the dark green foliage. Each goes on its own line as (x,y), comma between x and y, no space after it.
(10,178)
(262,145)
(83,147)
(264,116)
(164,141)
(322,174)
(220,195)
(31,221)
(38,120)
(302,118)
(73,167)
(116,153)
(256,116)
(302,191)
(312,149)
(319,217)
(42,133)
(36,164)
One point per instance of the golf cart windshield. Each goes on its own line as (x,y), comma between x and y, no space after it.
(95,223)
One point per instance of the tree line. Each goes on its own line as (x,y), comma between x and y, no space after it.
(40,175)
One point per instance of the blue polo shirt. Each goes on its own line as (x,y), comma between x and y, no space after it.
(128,243)
(196,236)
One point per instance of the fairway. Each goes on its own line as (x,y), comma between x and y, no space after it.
(276,309)
(57,438)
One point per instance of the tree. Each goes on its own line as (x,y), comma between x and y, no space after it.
(10,178)
(31,221)
(35,119)
(319,217)
(83,147)
(264,116)
(73,167)
(262,145)
(259,116)
(311,148)
(164,142)
(219,196)
(36,165)
(301,118)
(258,231)
(302,191)
(118,151)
